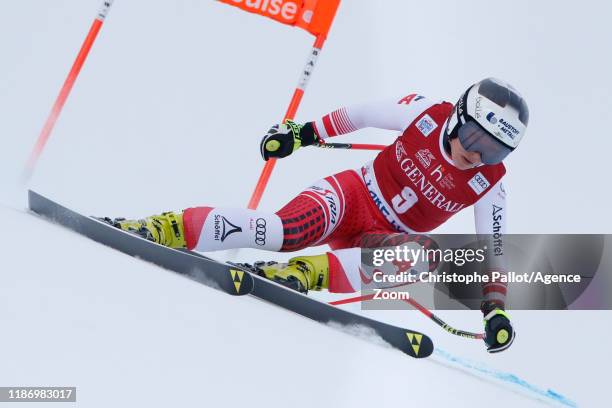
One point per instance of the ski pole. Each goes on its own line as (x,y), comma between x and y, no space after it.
(352,146)
(66,88)
(264,177)
(442,323)
(420,308)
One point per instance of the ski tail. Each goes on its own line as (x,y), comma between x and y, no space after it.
(233,280)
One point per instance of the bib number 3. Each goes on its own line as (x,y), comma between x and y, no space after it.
(403,201)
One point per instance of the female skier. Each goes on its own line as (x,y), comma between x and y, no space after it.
(447,158)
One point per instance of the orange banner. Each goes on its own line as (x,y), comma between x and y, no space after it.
(314,16)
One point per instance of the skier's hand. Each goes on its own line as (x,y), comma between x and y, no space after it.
(499,333)
(285,138)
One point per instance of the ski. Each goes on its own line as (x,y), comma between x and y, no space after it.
(412,343)
(232,278)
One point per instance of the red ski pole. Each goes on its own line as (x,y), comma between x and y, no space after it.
(66,88)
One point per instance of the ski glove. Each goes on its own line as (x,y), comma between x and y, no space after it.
(499,333)
(285,138)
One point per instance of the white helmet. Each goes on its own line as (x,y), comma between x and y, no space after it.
(491,118)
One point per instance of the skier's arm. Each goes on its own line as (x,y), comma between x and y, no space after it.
(490,216)
(394,114)
(283,139)
(490,213)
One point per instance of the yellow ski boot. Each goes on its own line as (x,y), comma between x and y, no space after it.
(165,229)
(302,273)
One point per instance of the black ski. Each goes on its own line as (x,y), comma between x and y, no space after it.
(411,342)
(229,277)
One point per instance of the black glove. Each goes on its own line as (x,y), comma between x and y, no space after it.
(499,333)
(285,138)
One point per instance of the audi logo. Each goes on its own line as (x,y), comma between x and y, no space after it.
(260,231)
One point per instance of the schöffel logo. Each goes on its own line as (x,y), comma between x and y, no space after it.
(479,183)
(426,125)
(498,244)
(224,228)
(280,9)
(491,118)
(260,231)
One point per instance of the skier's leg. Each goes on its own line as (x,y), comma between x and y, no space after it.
(346,197)
(333,210)
(219,228)
(306,220)
(336,211)
(209,229)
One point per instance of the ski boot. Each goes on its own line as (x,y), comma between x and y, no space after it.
(165,229)
(302,273)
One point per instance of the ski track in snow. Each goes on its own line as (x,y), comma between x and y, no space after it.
(501,377)
(470,367)
(361,332)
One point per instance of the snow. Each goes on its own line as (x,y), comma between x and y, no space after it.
(168,112)
(119,329)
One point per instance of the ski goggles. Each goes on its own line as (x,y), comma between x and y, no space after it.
(474,138)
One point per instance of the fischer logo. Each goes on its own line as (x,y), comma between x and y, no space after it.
(479,183)
(425,157)
(286,9)
(498,246)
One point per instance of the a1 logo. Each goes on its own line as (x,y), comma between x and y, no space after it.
(403,201)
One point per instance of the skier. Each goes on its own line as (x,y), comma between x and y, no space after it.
(447,158)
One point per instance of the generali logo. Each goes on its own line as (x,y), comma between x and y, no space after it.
(284,10)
